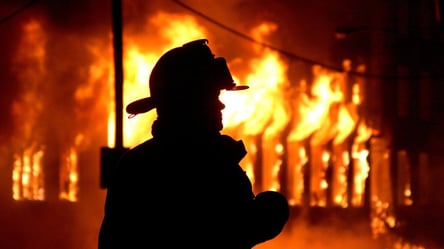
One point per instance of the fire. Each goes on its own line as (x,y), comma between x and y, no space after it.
(69,175)
(175,30)
(261,116)
(279,120)
(136,71)
(41,135)
(361,166)
(27,173)
(261,112)
(291,128)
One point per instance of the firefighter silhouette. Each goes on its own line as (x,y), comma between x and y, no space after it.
(184,187)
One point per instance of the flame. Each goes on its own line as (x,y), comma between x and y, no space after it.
(287,126)
(27,171)
(296,165)
(69,175)
(175,30)
(261,111)
(27,175)
(309,111)
(39,102)
(262,108)
(261,114)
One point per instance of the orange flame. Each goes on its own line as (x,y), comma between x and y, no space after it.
(316,111)
(175,30)
(27,171)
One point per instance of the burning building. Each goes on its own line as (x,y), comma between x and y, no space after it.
(349,128)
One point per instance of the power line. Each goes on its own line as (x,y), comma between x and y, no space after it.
(246,37)
(17,11)
(294,56)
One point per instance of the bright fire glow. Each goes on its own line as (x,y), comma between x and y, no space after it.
(69,175)
(138,62)
(27,176)
(316,112)
(287,126)
(27,173)
(260,116)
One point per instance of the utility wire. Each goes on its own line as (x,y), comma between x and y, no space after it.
(292,55)
(246,37)
(17,11)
